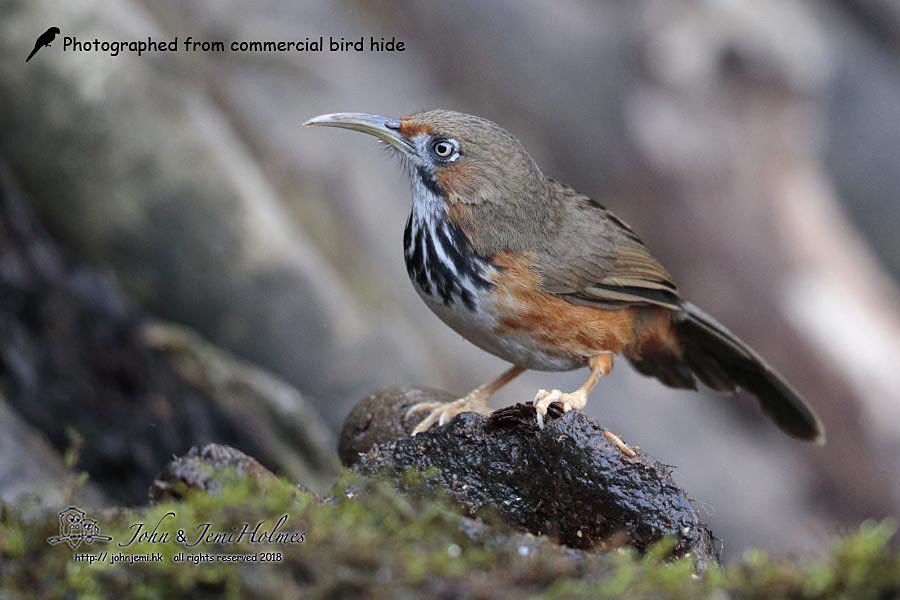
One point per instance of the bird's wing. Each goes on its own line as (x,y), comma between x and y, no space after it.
(599,260)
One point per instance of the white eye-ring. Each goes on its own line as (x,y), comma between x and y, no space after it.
(445,149)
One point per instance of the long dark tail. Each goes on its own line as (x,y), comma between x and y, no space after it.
(723,362)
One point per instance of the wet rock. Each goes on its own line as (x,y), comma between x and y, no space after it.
(380,417)
(206,469)
(567,480)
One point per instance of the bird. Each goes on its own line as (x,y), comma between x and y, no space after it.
(546,278)
(45,39)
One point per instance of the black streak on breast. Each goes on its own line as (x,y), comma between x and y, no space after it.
(456,279)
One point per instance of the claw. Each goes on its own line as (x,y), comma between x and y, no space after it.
(442,412)
(424,425)
(570,401)
(421,406)
(542,401)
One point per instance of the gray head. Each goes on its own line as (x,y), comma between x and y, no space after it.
(464,158)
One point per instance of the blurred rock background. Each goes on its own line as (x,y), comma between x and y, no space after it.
(754,146)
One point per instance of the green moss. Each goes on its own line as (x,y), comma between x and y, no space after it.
(380,543)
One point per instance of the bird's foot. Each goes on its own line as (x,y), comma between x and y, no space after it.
(568,400)
(573,401)
(441,412)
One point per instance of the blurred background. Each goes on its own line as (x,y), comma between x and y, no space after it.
(181,262)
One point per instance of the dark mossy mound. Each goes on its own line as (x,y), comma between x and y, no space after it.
(566,480)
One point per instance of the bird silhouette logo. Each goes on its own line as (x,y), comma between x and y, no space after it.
(44,40)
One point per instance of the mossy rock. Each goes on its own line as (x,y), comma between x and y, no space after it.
(371,541)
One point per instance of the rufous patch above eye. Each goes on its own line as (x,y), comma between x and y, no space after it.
(411,128)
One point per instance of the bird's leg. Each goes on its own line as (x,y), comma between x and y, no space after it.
(474,401)
(600,366)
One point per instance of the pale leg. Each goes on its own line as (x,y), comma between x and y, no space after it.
(474,401)
(600,366)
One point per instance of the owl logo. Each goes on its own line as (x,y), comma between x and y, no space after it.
(75,527)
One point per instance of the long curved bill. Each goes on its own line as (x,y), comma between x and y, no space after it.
(386,129)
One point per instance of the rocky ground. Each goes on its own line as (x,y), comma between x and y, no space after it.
(406,534)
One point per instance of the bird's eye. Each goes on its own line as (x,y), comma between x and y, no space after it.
(444,149)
